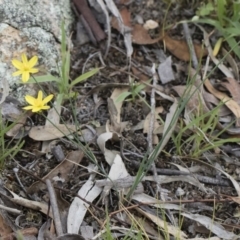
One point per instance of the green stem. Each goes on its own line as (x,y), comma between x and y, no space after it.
(59,100)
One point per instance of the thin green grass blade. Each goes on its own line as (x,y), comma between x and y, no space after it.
(44,78)
(123,96)
(84,77)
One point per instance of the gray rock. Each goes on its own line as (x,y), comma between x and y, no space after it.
(32,27)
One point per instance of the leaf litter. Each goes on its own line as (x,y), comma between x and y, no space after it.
(92,182)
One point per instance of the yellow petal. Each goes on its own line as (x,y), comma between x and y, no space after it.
(17,64)
(40,96)
(31,100)
(33,61)
(33,70)
(28,107)
(25,76)
(45,107)
(47,99)
(24,59)
(36,109)
(17,73)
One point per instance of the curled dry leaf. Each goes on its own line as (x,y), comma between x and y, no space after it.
(101,141)
(230,103)
(117,171)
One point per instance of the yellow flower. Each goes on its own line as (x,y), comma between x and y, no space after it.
(38,104)
(25,67)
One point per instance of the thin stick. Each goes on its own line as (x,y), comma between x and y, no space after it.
(151,126)
(11,210)
(55,209)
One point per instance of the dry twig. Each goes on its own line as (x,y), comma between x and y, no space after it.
(83,8)
(55,209)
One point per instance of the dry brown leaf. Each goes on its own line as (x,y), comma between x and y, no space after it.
(233,87)
(230,103)
(126,17)
(180,49)
(63,169)
(141,36)
(141,76)
(45,133)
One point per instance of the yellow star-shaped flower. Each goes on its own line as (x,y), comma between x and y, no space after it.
(38,104)
(25,67)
